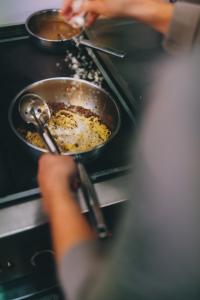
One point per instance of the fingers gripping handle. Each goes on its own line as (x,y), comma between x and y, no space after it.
(92,202)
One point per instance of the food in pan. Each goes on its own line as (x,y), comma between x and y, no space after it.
(74,128)
(56,30)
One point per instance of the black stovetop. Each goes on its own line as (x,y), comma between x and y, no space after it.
(21,64)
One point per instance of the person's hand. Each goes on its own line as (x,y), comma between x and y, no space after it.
(155,13)
(107,8)
(68,13)
(57,178)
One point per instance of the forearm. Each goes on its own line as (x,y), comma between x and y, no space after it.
(155,14)
(69,227)
(163,15)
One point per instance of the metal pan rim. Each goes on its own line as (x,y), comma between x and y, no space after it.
(10,112)
(44,11)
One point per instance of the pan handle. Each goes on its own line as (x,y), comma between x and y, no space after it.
(92,202)
(107,50)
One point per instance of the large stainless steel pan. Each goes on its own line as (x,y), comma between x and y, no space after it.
(79,93)
(71,92)
(48,18)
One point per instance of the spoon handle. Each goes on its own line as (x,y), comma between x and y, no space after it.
(46,136)
(50,142)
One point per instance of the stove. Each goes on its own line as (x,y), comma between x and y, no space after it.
(26,259)
(21,64)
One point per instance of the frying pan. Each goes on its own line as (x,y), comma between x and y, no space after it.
(50,17)
(77,93)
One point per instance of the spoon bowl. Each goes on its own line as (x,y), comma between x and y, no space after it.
(32,106)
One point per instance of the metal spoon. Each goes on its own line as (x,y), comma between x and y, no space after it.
(33,109)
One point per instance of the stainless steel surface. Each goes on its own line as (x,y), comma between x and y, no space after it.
(34,21)
(24,216)
(38,19)
(70,92)
(42,17)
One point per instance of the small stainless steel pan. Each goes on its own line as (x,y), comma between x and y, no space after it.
(77,93)
(48,29)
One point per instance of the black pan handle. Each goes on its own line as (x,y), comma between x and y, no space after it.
(92,202)
(93,45)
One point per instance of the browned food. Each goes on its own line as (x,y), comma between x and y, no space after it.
(56,30)
(74,128)
(73,108)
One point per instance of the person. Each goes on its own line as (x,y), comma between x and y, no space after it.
(178,22)
(155,254)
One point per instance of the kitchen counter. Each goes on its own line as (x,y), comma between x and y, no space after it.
(25,216)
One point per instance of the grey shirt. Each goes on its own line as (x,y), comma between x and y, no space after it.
(156,253)
(184,30)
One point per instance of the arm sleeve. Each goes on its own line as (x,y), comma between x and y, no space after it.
(78,267)
(155,254)
(184,30)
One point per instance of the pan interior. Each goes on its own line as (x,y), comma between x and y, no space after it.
(52,26)
(74,129)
